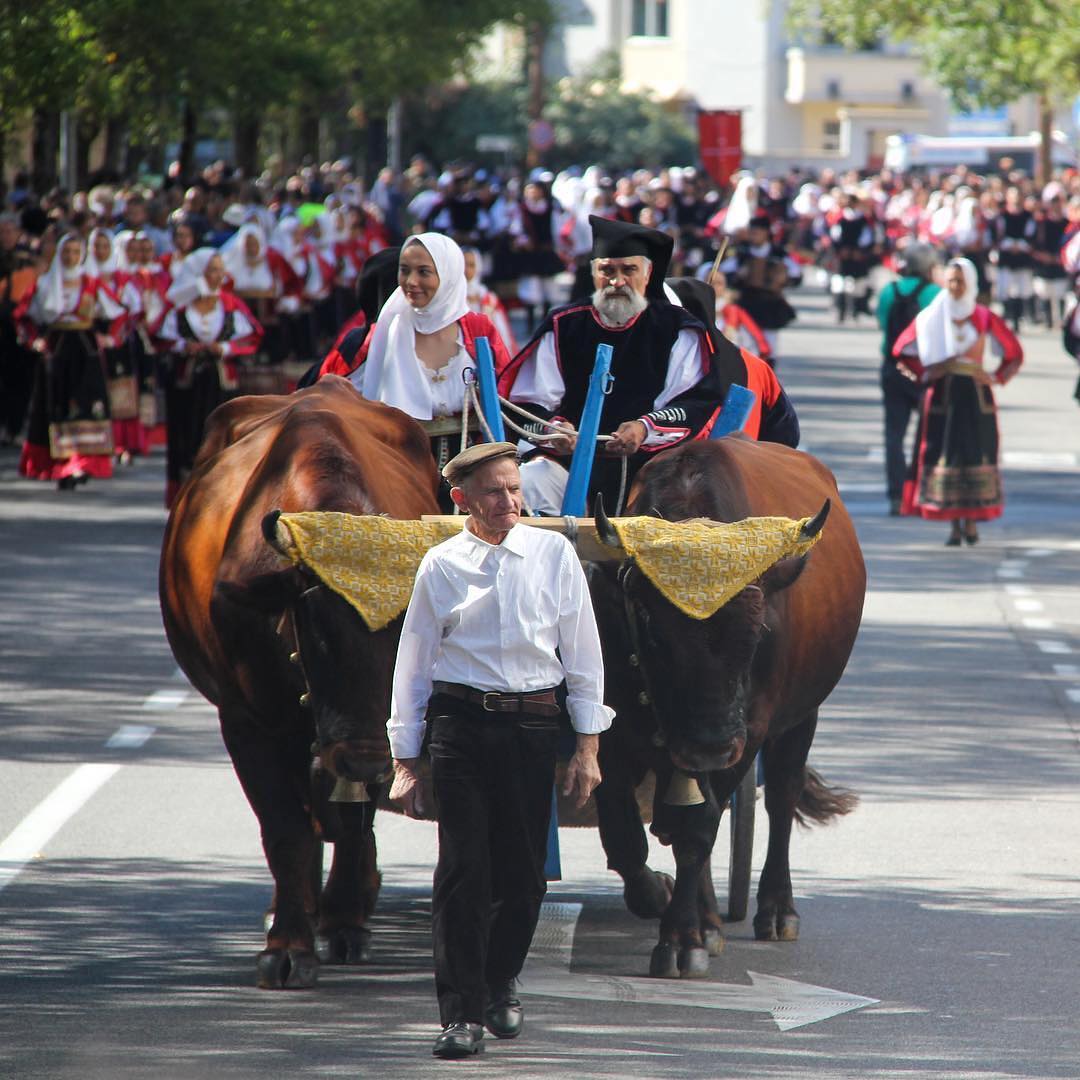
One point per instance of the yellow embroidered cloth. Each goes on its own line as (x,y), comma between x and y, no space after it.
(370,561)
(700,566)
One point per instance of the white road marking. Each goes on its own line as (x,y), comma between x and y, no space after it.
(130,737)
(1073,694)
(1037,459)
(1037,624)
(1009,572)
(1014,564)
(1011,459)
(49,816)
(1058,648)
(791,1004)
(861,487)
(1018,590)
(1028,605)
(1038,553)
(1067,671)
(162,700)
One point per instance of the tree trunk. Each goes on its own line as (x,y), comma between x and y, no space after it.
(186,156)
(534,76)
(116,148)
(1044,168)
(375,153)
(44,149)
(247,128)
(85,132)
(308,135)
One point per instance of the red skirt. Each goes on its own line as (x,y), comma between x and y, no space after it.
(955,474)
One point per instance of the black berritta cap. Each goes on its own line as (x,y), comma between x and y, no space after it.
(625,240)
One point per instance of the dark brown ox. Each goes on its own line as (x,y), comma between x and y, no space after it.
(233,616)
(705,696)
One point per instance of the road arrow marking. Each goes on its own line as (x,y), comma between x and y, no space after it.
(791,1004)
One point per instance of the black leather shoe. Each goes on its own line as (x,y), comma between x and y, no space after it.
(504,1017)
(459,1040)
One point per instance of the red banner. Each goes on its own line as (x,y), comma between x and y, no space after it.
(720,142)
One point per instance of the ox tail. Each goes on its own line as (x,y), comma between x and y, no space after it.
(819,803)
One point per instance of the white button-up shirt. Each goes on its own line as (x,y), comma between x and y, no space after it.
(491,616)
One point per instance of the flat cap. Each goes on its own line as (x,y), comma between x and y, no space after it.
(459,466)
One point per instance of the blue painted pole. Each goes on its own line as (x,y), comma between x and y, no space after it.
(577,486)
(489,394)
(553,862)
(738,405)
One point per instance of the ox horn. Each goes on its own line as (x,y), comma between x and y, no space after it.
(817,522)
(605,531)
(270,531)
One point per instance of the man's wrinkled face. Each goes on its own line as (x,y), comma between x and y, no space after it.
(619,277)
(620,288)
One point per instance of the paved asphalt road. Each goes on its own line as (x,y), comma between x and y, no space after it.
(132,882)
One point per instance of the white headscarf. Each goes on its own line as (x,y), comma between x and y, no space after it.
(391,373)
(190,282)
(742,206)
(120,243)
(247,276)
(937,335)
(285,242)
(48,303)
(94,267)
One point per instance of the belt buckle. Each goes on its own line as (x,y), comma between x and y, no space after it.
(484,701)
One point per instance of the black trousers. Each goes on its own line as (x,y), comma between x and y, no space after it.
(492,775)
(901,398)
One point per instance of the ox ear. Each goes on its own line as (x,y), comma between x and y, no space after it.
(270,593)
(783,575)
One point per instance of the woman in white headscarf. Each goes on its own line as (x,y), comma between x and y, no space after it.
(425,338)
(954,475)
(257,274)
(205,333)
(69,438)
(483,301)
(106,259)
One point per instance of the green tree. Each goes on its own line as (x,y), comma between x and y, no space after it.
(984,52)
(595,121)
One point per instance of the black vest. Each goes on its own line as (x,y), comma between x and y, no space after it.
(639,363)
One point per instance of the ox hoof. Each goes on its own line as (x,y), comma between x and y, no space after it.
(664,962)
(714,942)
(787,928)
(347,945)
(648,893)
(694,962)
(765,927)
(286,969)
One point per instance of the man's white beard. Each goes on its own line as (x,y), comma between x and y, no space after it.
(617,308)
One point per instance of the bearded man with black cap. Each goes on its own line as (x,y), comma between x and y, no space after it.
(661,393)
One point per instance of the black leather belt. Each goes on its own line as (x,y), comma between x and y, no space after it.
(535,702)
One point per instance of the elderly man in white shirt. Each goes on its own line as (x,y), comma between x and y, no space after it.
(477,662)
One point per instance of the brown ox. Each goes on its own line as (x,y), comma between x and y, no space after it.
(224,595)
(708,695)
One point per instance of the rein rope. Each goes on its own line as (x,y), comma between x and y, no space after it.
(472,396)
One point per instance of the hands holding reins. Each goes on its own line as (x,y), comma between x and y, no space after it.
(626,439)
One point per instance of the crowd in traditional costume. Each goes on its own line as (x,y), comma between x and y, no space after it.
(297,256)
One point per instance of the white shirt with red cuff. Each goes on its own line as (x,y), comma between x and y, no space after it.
(540,380)
(491,616)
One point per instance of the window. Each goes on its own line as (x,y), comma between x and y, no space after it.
(649,18)
(830,135)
